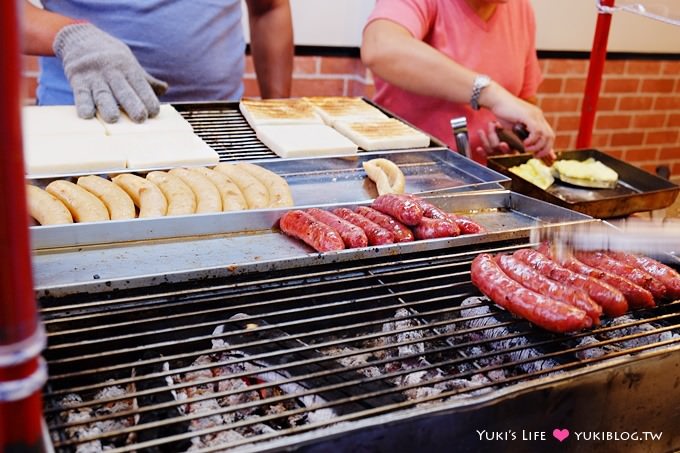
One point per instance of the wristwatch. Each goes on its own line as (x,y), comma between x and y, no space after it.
(481,81)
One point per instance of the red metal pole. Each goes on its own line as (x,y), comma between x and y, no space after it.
(598,55)
(20,341)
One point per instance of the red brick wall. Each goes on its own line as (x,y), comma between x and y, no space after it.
(638,116)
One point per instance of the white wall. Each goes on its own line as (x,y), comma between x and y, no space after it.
(562,25)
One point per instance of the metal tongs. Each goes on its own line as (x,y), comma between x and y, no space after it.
(658,239)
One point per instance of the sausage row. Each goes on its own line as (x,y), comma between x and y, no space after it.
(180,191)
(572,295)
(390,219)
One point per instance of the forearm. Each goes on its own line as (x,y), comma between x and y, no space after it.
(271,43)
(395,56)
(39,28)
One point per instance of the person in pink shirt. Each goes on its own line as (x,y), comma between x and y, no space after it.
(434,60)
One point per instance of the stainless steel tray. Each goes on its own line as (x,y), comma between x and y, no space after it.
(250,242)
(312,181)
(637,190)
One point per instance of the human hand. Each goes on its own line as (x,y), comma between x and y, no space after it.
(511,110)
(491,142)
(104,74)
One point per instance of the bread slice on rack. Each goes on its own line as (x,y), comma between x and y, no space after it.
(339,108)
(278,111)
(305,140)
(382,134)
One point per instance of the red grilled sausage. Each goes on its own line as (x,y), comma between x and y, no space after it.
(303,226)
(666,275)
(401,207)
(602,261)
(400,231)
(637,296)
(535,281)
(376,234)
(466,225)
(545,312)
(435,228)
(611,300)
(351,235)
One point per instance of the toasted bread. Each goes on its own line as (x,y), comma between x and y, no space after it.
(339,108)
(278,111)
(308,140)
(389,133)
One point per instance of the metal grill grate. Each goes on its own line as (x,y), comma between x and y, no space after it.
(269,357)
(223,127)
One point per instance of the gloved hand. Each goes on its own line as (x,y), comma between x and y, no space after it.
(104,74)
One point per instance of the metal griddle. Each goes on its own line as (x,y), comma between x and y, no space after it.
(213,245)
(637,190)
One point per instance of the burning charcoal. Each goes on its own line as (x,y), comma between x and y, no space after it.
(491,333)
(594,350)
(158,398)
(403,337)
(632,330)
(80,431)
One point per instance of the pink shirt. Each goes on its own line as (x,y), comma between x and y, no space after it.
(503,48)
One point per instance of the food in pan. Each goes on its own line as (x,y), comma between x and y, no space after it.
(208,198)
(386,175)
(589,172)
(352,235)
(536,172)
(146,195)
(181,198)
(429,228)
(340,108)
(541,310)
(162,150)
(52,120)
(466,225)
(255,193)
(401,232)
(232,197)
(116,200)
(364,225)
(278,111)
(305,140)
(376,234)
(535,271)
(280,195)
(84,206)
(45,208)
(401,207)
(318,235)
(388,133)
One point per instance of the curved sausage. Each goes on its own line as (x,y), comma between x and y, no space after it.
(611,300)
(601,260)
(535,281)
(303,226)
(435,228)
(666,275)
(637,296)
(351,235)
(400,231)
(376,234)
(544,312)
(401,207)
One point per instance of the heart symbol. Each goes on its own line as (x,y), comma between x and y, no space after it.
(560,434)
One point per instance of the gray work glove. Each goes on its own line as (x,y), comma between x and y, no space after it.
(104,74)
